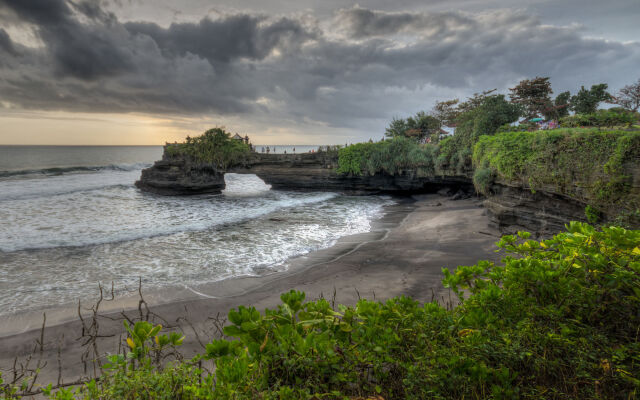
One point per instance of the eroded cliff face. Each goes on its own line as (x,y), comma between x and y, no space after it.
(544,211)
(173,177)
(510,205)
(297,172)
(543,214)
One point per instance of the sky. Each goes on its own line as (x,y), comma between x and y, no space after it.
(142,72)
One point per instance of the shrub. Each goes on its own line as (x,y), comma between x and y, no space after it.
(482,180)
(485,117)
(589,165)
(593,215)
(601,118)
(391,156)
(214,147)
(554,319)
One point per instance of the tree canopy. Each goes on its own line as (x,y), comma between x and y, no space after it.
(418,127)
(629,97)
(587,101)
(561,104)
(446,111)
(533,96)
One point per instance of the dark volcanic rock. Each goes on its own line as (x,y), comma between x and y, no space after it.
(510,205)
(541,213)
(178,177)
(297,172)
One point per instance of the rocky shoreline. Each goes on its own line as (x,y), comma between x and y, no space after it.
(510,207)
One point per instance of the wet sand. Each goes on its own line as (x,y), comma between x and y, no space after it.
(402,255)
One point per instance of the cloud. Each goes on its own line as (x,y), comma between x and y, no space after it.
(360,22)
(6,44)
(353,70)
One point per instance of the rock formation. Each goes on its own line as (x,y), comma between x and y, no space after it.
(510,205)
(296,172)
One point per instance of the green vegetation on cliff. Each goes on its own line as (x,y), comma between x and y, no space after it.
(482,115)
(614,117)
(597,166)
(390,156)
(585,164)
(556,319)
(214,147)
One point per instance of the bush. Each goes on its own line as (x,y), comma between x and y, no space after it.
(391,157)
(554,319)
(214,147)
(591,166)
(482,180)
(592,214)
(601,118)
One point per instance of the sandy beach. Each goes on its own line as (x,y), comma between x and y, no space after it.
(402,255)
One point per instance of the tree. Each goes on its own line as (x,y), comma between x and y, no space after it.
(533,96)
(562,104)
(397,127)
(587,101)
(474,101)
(559,107)
(422,125)
(446,111)
(629,97)
(494,112)
(417,127)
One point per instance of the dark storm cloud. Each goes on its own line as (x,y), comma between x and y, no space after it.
(44,12)
(84,51)
(360,22)
(237,36)
(6,44)
(359,65)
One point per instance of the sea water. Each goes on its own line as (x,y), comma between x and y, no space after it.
(71,217)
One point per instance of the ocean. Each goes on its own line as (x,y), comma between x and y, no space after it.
(71,217)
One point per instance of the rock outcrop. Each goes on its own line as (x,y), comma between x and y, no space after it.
(511,206)
(296,172)
(180,177)
(544,211)
(543,214)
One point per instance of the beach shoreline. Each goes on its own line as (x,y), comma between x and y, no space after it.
(234,286)
(403,254)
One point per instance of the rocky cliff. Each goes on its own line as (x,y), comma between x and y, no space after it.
(297,172)
(512,204)
(178,176)
(541,180)
(514,208)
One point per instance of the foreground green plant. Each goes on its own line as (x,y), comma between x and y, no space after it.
(556,319)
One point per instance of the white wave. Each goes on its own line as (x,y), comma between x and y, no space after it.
(121,213)
(46,187)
